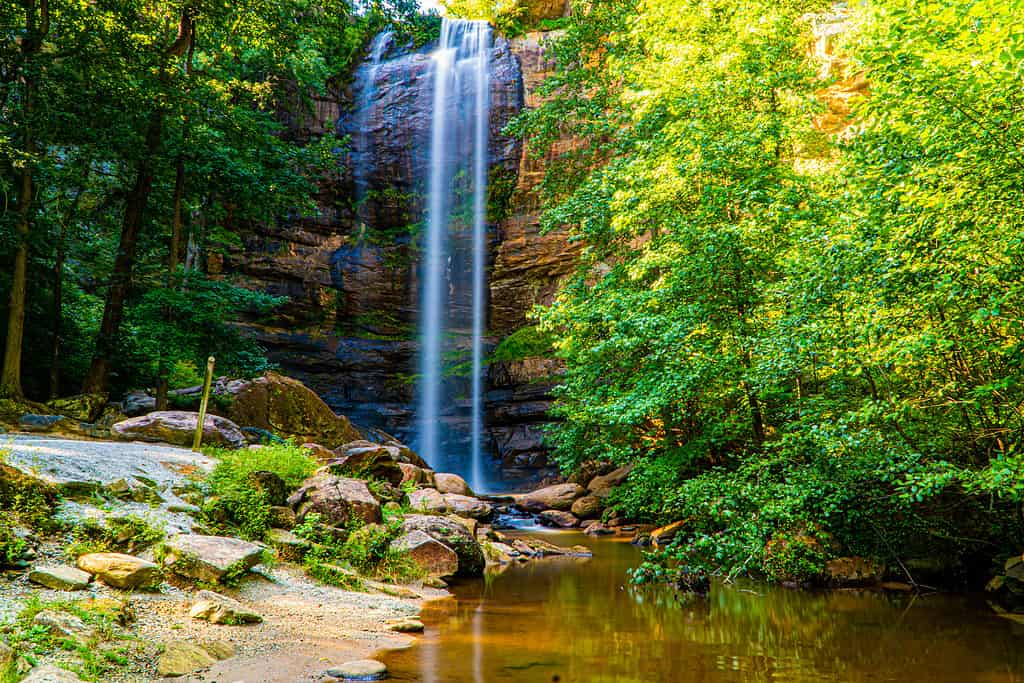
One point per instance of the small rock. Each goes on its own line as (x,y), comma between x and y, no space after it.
(220,609)
(181,657)
(598,529)
(452,483)
(6,654)
(121,571)
(64,625)
(408,626)
(360,670)
(318,452)
(435,582)
(272,486)
(48,673)
(60,577)
(210,558)
(220,649)
(428,501)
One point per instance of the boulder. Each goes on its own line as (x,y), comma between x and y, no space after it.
(288,408)
(336,499)
(48,673)
(471,525)
(427,500)
(64,625)
(587,507)
(557,497)
(83,407)
(178,427)
(598,529)
(137,403)
(467,506)
(535,11)
(432,556)
(120,570)
(181,657)
(417,475)
(603,485)
(360,670)
(210,558)
(60,577)
(452,483)
(558,518)
(220,609)
(453,535)
(853,571)
(363,459)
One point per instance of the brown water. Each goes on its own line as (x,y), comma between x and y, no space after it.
(579,621)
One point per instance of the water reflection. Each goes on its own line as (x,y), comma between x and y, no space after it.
(574,621)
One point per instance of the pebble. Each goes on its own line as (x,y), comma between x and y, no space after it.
(360,670)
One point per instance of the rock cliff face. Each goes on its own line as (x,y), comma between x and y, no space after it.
(350,274)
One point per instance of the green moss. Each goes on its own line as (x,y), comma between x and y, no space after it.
(526,342)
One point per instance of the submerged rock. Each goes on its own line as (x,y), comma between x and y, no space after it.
(360,670)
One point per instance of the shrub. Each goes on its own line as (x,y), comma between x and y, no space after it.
(364,548)
(235,500)
(12,547)
(129,534)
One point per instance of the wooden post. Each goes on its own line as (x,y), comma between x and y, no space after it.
(197,442)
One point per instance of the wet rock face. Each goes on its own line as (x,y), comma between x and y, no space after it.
(349,328)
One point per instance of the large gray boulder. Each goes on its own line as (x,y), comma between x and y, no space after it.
(432,556)
(337,500)
(179,427)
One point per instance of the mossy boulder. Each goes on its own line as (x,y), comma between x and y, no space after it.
(288,408)
(453,535)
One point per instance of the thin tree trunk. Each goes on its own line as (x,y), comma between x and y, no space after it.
(10,375)
(172,265)
(58,284)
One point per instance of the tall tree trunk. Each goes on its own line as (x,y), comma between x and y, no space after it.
(10,374)
(172,265)
(58,285)
(120,278)
(135,208)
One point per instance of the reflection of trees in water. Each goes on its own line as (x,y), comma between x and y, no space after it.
(589,626)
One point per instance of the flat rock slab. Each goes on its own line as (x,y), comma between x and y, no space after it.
(48,673)
(85,466)
(360,670)
(120,570)
(60,577)
(64,625)
(210,558)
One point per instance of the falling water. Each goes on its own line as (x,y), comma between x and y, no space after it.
(458,154)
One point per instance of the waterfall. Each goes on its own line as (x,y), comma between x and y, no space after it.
(456,214)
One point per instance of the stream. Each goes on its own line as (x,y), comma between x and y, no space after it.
(579,621)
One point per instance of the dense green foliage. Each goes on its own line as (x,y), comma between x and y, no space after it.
(237,499)
(139,142)
(797,331)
